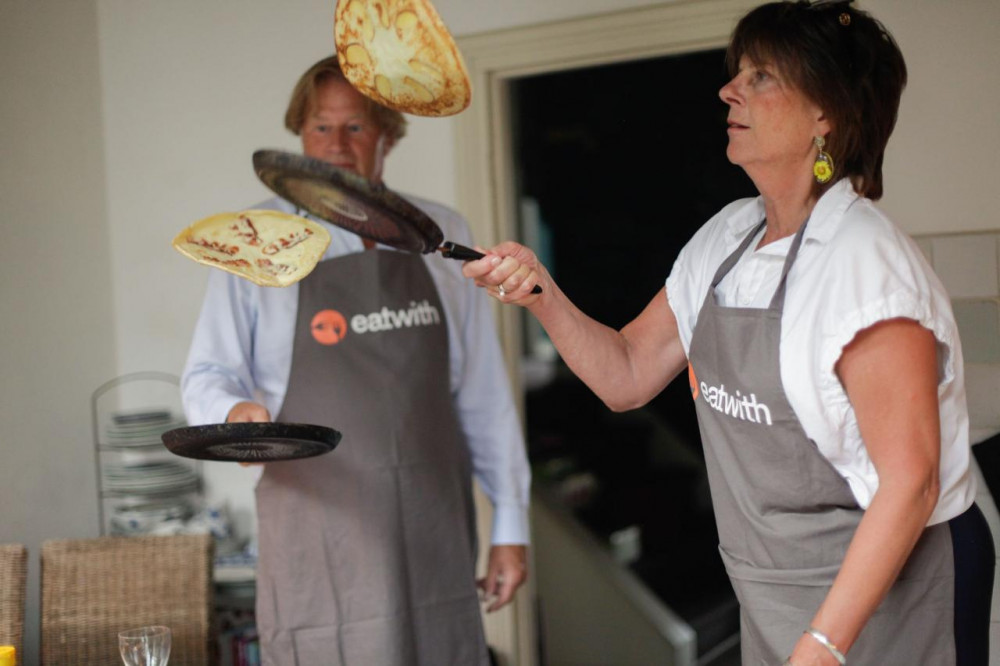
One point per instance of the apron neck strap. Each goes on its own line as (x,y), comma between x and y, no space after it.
(731,260)
(778,300)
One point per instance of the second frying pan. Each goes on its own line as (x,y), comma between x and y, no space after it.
(251,442)
(351,202)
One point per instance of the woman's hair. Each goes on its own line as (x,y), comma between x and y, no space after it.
(843,60)
(391,122)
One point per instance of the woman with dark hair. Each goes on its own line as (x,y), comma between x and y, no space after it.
(824,363)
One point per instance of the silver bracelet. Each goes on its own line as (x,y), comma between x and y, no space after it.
(825,642)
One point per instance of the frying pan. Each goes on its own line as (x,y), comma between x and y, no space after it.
(351,202)
(251,442)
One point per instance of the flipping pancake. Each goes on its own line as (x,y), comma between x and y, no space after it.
(400,54)
(268,248)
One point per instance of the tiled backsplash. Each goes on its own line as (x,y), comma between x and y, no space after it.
(969,266)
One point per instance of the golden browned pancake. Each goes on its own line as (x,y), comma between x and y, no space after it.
(400,53)
(268,248)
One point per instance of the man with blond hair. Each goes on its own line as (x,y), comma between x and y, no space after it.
(367,554)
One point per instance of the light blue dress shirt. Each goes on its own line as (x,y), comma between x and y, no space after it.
(242,350)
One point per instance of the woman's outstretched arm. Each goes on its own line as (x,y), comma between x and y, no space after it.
(624,368)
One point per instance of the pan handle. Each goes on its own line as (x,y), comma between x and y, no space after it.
(456,251)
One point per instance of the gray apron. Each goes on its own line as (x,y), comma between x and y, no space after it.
(785,516)
(367,554)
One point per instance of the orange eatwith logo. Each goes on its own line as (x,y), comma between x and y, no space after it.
(328,327)
(694,382)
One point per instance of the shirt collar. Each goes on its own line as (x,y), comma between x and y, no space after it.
(822,223)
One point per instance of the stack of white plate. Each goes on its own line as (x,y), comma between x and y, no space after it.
(153,491)
(150,478)
(140,429)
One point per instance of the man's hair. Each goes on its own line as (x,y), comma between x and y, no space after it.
(390,122)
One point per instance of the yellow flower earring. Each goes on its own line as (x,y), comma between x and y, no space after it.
(823,166)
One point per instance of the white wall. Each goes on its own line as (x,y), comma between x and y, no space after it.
(144,115)
(940,172)
(56,317)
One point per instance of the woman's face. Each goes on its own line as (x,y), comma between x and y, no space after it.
(771,123)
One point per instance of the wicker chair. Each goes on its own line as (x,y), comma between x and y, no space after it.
(94,588)
(13,582)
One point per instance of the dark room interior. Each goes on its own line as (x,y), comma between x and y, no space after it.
(621,164)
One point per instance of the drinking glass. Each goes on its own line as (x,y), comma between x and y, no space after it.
(145,646)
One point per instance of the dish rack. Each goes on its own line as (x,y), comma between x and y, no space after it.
(141,487)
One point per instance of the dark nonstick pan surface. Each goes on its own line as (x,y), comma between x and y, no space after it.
(251,442)
(351,202)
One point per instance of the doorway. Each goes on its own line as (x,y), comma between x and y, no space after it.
(615,168)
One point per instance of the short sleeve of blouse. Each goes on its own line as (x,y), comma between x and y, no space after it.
(875,273)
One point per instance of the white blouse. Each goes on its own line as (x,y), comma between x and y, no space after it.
(855,268)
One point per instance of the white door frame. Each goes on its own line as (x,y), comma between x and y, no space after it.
(485,188)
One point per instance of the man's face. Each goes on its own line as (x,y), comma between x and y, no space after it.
(338,130)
